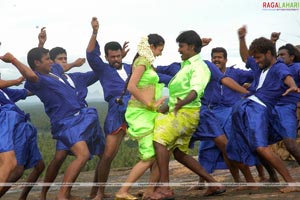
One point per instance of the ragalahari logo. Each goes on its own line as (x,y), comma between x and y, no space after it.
(281,5)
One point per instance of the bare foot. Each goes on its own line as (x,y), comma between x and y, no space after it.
(241,188)
(196,187)
(212,191)
(98,197)
(106,195)
(289,189)
(140,193)
(163,193)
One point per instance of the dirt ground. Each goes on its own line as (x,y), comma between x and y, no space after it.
(179,175)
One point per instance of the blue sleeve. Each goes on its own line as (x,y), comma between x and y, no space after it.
(57,69)
(216,74)
(94,59)
(251,64)
(16,94)
(244,76)
(296,71)
(170,70)
(164,78)
(89,78)
(34,86)
(283,71)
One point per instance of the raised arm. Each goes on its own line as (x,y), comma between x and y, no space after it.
(92,42)
(275,37)
(23,69)
(242,40)
(125,49)
(42,37)
(205,41)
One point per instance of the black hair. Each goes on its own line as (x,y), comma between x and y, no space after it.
(36,54)
(113,46)
(262,45)
(191,38)
(292,51)
(219,50)
(56,51)
(154,39)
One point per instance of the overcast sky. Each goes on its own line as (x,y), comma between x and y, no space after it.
(68,25)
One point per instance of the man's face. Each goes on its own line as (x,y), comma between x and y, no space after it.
(114,58)
(284,55)
(219,60)
(61,59)
(186,50)
(44,65)
(263,60)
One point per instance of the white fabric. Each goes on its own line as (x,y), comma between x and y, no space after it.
(122,73)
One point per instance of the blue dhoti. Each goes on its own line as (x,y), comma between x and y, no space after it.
(83,126)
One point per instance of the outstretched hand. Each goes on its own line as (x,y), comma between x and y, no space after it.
(19,80)
(291,89)
(79,62)
(125,49)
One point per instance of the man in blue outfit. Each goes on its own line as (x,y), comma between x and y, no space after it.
(252,116)
(112,76)
(24,138)
(74,126)
(79,81)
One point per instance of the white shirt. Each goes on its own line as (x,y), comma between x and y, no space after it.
(260,83)
(122,73)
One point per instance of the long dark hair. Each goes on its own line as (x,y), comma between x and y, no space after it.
(154,39)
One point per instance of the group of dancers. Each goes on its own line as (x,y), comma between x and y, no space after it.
(235,113)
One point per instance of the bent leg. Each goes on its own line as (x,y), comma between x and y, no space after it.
(53,170)
(221,143)
(293,148)
(196,167)
(112,144)
(136,172)
(8,162)
(82,154)
(14,177)
(267,154)
(32,178)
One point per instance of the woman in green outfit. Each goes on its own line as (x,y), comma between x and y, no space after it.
(146,98)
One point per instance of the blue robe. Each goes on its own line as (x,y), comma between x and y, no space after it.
(252,121)
(70,123)
(285,109)
(113,86)
(18,133)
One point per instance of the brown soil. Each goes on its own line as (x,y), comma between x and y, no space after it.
(178,174)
